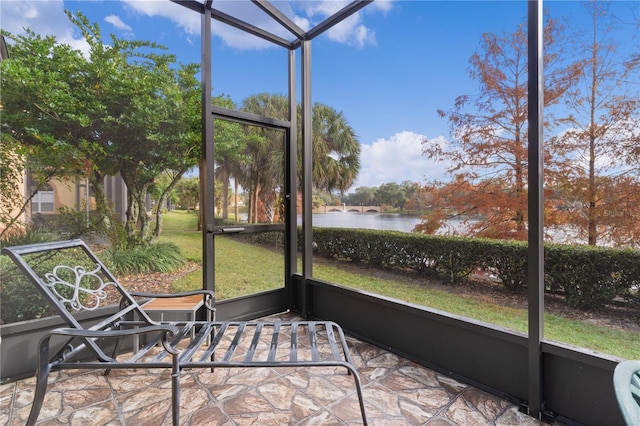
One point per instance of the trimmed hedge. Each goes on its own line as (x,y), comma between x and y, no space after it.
(587,277)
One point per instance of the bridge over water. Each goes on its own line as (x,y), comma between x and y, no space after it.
(345,208)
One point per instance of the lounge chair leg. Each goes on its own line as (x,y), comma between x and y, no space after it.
(175,394)
(42,377)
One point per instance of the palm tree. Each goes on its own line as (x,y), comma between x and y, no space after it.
(336,150)
(264,172)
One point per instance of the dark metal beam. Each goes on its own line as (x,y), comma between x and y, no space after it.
(207,161)
(337,17)
(536,210)
(291,173)
(243,117)
(4,51)
(281,18)
(193,5)
(251,29)
(307,164)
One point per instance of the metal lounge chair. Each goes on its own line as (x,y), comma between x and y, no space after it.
(626,382)
(72,279)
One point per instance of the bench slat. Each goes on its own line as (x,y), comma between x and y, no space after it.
(332,341)
(293,350)
(234,343)
(254,343)
(273,348)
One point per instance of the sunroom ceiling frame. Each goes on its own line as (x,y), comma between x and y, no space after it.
(277,16)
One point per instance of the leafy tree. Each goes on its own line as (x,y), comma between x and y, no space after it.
(134,95)
(188,192)
(410,190)
(115,111)
(390,194)
(602,133)
(490,129)
(324,198)
(183,133)
(363,195)
(618,210)
(420,200)
(46,119)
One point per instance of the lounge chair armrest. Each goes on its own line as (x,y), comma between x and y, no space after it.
(72,332)
(167,331)
(170,295)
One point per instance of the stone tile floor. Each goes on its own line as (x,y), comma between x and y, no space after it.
(396,391)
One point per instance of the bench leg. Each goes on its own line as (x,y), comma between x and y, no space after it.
(42,377)
(356,378)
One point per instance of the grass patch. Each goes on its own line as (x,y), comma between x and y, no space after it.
(181,228)
(240,268)
(244,269)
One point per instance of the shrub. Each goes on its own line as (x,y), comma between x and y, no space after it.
(19,300)
(587,277)
(508,260)
(590,277)
(29,235)
(155,257)
(450,259)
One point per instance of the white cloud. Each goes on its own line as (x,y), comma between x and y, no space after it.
(306,14)
(47,17)
(186,19)
(117,22)
(350,31)
(397,159)
(383,5)
(189,21)
(44,17)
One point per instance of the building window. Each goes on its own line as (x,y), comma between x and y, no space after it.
(42,202)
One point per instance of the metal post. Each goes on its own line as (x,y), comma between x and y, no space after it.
(307,206)
(207,185)
(535,206)
(291,173)
(87,199)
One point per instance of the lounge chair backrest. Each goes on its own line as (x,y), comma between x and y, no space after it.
(73,280)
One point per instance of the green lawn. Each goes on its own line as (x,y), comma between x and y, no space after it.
(240,269)
(244,269)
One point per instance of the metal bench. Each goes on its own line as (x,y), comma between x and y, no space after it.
(72,279)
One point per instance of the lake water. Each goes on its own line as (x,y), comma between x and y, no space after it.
(380,221)
(406,223)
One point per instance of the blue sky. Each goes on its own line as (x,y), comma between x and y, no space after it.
(388,69)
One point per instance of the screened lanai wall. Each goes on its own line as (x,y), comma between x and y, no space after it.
(550,380)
